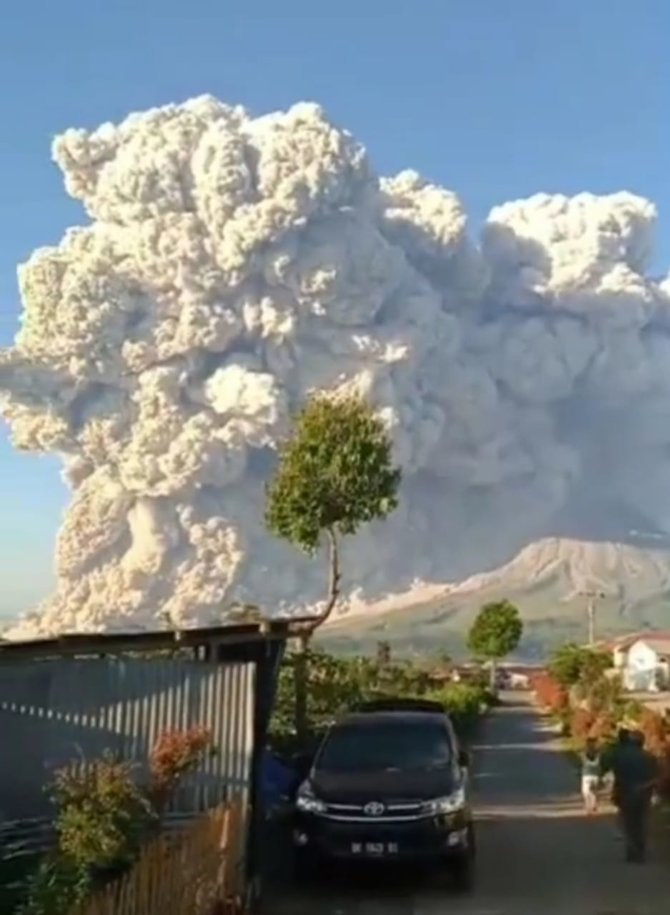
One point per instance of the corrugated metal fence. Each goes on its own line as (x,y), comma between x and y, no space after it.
(56,711)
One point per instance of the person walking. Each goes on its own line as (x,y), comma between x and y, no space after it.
(635,773)
(609,764)
(591,775)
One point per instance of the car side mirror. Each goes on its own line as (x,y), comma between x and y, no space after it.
(464,759)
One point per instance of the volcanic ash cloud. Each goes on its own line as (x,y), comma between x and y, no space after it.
(231,266)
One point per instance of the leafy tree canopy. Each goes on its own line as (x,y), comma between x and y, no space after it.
(496,631)
(571,664)
(335,473)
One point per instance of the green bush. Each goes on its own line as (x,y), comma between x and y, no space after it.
(573,664)
(337,685)
(103,816)
(56,887)
(465,703)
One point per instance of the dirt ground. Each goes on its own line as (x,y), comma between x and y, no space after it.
(538,854)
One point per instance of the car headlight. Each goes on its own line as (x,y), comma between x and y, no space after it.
(306,800)
(452,803)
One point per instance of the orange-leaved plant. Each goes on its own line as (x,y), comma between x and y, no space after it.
(174,755)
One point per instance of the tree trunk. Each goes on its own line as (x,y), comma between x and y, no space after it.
(333,577)
(493,674)
(301,669)
(301,676)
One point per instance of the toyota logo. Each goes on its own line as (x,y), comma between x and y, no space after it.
(375,809)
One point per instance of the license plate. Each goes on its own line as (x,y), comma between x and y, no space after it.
(374,849)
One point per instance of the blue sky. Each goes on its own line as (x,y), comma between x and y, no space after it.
(494,100)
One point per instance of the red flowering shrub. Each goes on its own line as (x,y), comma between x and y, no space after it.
(657,740)
(604,727)
(174,755)
(549,693)
(655,731)
(582,721)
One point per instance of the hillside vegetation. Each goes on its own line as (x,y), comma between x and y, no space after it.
(544,581)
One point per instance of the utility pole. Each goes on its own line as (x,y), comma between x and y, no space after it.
(592,597)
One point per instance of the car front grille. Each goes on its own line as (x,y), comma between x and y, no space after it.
(393,813)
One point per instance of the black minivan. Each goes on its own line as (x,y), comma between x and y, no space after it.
(389,782)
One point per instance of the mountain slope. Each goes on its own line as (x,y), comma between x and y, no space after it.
(546,580)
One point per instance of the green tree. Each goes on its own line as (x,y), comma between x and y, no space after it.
(565,664)
(335,473)
(495,633)
(572,664)
(594,665)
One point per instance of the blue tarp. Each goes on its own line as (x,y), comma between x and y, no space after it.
(279,780)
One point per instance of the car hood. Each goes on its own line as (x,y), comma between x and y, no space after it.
(384,785)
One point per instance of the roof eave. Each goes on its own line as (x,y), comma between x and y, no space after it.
(158,640)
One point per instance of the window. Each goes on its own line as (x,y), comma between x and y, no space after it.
(386,746)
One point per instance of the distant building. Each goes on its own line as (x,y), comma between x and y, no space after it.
(621,646)
(645,663)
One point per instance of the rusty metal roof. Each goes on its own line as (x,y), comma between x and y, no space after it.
(158,640)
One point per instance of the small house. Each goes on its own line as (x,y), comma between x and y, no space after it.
(646,667)
(617,648)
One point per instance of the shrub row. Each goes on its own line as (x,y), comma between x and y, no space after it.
(598,711)
(337,685)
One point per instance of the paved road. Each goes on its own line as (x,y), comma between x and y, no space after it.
(538,855)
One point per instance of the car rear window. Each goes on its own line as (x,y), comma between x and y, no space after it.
(385,746)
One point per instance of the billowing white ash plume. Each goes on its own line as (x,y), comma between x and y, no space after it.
(234,264)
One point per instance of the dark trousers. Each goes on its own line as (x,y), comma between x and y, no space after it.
(634,816)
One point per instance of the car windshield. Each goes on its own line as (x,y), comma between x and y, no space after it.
(386,746)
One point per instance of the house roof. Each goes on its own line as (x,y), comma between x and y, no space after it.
(660,643)
(624,642)
(160,640)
